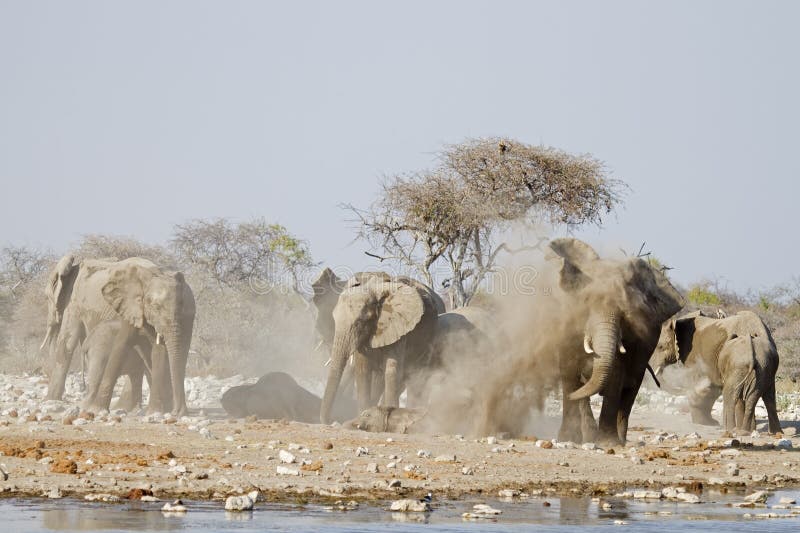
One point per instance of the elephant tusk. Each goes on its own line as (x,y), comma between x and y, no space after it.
(654,374)
(587,346)
(622,349)
(328,362)
(658,370)
(317,347)
(46,338)
(352,358)
(159,338)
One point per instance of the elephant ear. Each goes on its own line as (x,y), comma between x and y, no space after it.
(399,312)
(576,258)
(59,286)
(649,291)
(327,283)
(124,292)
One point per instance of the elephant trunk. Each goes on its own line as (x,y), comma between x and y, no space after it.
(177,343)
(340,353)
(603,341)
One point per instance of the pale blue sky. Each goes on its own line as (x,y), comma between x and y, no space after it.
(129,117)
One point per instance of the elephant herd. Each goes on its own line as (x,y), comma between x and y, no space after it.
(390,334)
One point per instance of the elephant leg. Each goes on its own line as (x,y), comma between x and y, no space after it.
(627,399)
(588,423)
(131,397)
(65,346)
(119,349)
(378,385)
(729,408)
(749,416)
(393,373)
(363,372)
(772,411)
(570,429)
(738,415)
(701,402)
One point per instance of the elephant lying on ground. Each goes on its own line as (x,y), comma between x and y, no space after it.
(278,396)
(735,356)
(135,364)
(380,419)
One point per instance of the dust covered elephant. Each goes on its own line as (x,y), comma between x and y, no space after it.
(735,356)
(386,325)
(145,298)
(278,396)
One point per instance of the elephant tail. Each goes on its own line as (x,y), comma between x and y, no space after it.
(747,386)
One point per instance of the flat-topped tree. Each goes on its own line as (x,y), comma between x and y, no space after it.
(454,213)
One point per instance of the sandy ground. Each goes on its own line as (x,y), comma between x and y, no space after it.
(48,448)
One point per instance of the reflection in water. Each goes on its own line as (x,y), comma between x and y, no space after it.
(238,516)
(573,510)
(109,517)
(43,516)
(421,518)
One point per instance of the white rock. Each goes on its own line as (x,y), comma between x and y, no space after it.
(286,471)
(423,453)
(54,493)
(361,450)
(286,457)
(687,497)
(447,458)
(760,496)
(491,440)
(3,472)
(410,506)
(509,493)
(174,507)
(467,471)
(239,503)
(372,468)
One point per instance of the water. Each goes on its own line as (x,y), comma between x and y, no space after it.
(29,516)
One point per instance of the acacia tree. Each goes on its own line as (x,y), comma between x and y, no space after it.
(454,213)
(254,252)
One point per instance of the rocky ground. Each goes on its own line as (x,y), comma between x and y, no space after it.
(51,449)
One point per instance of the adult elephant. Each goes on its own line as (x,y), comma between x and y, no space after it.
(615,309)
(146,298)
(386,324)
(735,356)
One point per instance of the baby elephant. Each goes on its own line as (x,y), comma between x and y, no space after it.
(381,419)
(735,356)
(277,395)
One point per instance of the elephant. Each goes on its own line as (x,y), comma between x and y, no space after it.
(148,300)
(277,395)
(135,364)
(386,324)
(735,356)
(613,311)
(381,419)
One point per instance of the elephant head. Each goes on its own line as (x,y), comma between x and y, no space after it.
(161,302)
(675,341)
(58,291)
(626,301)
(327,288)
(372,314)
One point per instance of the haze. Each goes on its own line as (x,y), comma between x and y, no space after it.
(126,118)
